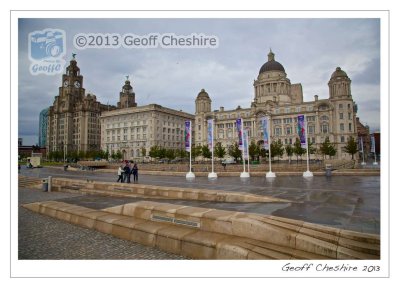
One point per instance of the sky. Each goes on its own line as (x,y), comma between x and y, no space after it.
(309,49)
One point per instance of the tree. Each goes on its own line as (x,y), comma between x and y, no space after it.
(254,150)
(276,149)
(196,151)
(143,151)
(219,151)
(170,153)
(289,151)
(351,147)
(233,150)
(154,151)
(205,151)
(311,149)
(327,148)
(118,155)
(298,150)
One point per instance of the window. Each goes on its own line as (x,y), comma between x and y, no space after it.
(276,121)
(287,120)
(349,115)
(341,116)
(325,128)
(278,131)
(341,127)
(288,130)
(342,139)
(310,118)
(340,106)
(324,118)
(311,129)
(350,127)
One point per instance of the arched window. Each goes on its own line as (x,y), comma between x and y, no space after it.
(324,118)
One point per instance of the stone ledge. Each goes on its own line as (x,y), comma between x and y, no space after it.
(151,191)
(222,234)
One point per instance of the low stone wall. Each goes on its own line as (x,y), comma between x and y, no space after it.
(151,191)
(203,233)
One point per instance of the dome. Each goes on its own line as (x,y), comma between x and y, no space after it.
(338,73)
(203,95)
(271,64)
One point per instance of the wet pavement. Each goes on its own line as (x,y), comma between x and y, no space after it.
(347,202)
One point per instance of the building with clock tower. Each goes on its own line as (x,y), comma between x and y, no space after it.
(73,119)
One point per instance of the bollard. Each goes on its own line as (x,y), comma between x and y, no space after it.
(49,184)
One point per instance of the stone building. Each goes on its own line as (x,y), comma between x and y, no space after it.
(130,128)
(74,117)
(275,96)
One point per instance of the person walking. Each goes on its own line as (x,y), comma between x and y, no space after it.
(127,173)
(120,174)
(135,172)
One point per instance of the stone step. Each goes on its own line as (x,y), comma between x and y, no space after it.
(203,233)
(26,181)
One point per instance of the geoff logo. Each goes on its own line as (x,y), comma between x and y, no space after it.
(46,51)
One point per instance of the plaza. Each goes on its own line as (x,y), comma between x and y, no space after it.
(341,202)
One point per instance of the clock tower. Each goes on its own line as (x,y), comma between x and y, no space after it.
(71,90)
(74,123)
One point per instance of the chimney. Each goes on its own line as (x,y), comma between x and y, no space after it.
(316,98)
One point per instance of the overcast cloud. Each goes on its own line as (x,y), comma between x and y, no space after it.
(309,50)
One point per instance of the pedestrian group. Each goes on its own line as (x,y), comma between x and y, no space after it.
(125,172)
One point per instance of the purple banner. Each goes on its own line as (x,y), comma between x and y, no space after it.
(301,131)
(245,144)
(264,124)
(188,135)
(210,133)
(240,132)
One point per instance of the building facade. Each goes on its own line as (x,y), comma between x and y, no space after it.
(132,128)
(280,100)
(74,118)
(43,116)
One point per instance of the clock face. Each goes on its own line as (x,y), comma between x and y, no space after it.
(65,83)
(77,84)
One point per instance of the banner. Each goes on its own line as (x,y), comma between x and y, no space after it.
(188,135)
(210,133)
(361,145)
(301,131)
(264,124)
(240,132)
(245,144)
(372,144)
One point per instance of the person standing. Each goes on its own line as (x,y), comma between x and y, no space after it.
(120,174)
(135,172)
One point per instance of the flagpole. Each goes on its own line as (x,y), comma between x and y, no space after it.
(190,174)
(308,173)
(248,153)
(212,174)
(244,174)
(270,174)
(362,152)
